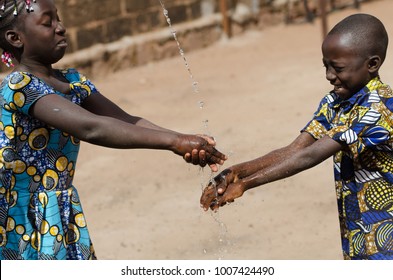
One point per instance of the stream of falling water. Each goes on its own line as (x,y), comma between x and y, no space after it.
(223,241)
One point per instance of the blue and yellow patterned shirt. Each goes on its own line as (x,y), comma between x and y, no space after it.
(364,170)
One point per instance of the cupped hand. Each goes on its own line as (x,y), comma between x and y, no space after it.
(224,188)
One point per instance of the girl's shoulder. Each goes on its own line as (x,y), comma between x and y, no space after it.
(72,74)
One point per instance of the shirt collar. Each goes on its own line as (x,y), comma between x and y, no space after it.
(347,104)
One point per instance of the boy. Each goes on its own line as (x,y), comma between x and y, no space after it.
(354,123)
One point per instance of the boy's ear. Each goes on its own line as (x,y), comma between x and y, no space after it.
(374,63)
(13,38)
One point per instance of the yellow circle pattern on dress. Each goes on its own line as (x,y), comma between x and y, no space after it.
(80,220)
(19,130)
(50,179)
(12,199)
(19,99)
(31,170)
(72,234)
(61,163)
(23,81)
(35,240)
(44,227)
(20,229)
(9,132)
(19,167)
(54,230)
(43,198)
(3,236)
(10,224)
(26,237)
(38,138)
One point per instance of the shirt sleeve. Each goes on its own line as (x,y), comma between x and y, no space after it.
(22,91)
(81,87)
(319,125)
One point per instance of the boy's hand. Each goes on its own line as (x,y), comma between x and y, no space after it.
(224,188)
(204,152)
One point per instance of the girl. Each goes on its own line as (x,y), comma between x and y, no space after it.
(45,113)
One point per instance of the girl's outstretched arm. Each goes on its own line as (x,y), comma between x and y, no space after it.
(105,130)
(99,104)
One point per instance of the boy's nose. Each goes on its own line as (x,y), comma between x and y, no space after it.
(330,76)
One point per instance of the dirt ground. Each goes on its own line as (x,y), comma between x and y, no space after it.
(259,90)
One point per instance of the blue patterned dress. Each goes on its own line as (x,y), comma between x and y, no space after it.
(40,213)
(364,171)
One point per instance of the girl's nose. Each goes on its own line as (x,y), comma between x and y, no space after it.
(60,28)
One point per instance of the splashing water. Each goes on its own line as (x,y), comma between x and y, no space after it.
(195,84)
(181,51)
(223,241)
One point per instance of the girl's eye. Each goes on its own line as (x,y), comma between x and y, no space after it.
(47,21)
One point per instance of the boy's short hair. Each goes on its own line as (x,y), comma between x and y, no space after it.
(367,33)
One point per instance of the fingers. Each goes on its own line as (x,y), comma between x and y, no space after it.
(213,167)
(213,195)
(210,140)
(209,197)
(201,158)
(203,152)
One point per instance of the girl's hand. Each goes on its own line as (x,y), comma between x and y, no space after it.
(200,150)
(224,188)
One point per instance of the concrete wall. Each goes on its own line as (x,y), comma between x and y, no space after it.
(91,22)
(108,35)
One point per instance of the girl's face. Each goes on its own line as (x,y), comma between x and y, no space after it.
(346,69)
(42,34)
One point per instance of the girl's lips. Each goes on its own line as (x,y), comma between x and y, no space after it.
(62,43)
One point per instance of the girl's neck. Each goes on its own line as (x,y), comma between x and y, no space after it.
(40,70)
(47,74)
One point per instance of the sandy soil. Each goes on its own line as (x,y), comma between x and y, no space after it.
(259,90)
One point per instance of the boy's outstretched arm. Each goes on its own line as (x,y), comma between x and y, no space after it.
(300,155)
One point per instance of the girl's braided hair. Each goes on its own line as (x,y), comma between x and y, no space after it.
(9,10)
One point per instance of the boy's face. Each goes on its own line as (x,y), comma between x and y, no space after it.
(346,69)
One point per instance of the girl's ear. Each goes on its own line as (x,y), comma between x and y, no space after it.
(374,63)
(13,38)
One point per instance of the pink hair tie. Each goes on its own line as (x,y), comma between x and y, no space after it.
(28,3)
(29,6)
(6,58)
